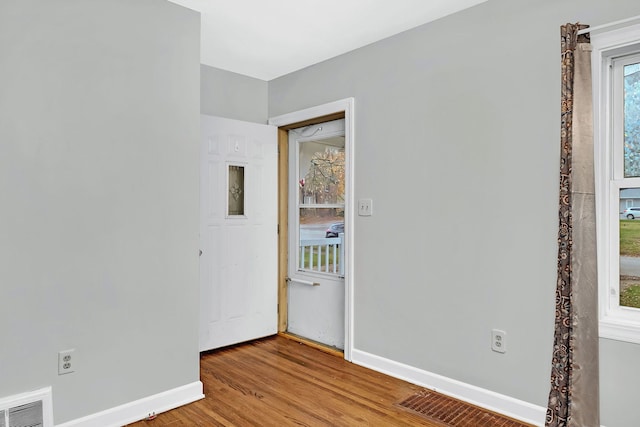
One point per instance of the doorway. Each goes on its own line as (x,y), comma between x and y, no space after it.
(335,255)
(316,250)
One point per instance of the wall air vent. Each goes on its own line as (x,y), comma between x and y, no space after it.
(32,409)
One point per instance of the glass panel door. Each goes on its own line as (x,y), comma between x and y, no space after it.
(315,290)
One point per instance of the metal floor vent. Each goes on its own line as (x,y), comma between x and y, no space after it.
(454,413)
(27,410)
(28,415)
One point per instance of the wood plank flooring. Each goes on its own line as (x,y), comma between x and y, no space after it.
(279,382)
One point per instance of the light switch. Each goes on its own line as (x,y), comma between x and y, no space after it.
(365,207)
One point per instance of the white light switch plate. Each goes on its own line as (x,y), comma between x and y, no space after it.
(365,207)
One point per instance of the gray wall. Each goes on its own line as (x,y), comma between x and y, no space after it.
(99,135)
(462,117)
(232,95)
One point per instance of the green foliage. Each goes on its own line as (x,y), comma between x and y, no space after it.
(630,297)
(630,237)
(630,246)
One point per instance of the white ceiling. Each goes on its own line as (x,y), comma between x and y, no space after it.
(269,38)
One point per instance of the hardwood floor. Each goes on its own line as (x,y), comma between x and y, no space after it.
(279,382)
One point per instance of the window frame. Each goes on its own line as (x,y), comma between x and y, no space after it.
(615,321)
(327,130)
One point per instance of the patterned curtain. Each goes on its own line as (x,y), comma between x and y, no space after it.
(574,395)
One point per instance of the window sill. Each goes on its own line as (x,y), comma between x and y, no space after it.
(620,330)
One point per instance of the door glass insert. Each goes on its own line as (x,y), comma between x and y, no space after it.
(236,190)
(321,180)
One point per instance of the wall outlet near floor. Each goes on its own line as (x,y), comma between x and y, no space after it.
(66,362)
(498,341)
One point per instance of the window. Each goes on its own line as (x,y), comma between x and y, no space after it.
(616,77)
(320,198)
(235,182)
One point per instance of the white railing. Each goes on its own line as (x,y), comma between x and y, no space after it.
(323,255)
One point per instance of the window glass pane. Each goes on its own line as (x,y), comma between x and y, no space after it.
(321,234)
(632,120)
(236,190)
(321,174)
(630,247)
(321,198)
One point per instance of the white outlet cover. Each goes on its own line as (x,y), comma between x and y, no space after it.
(498,341)
(66,362)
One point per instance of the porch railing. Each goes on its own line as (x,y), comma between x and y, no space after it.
(323,255)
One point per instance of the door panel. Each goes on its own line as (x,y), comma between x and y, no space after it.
(238,265)
(317,312)
(316,292)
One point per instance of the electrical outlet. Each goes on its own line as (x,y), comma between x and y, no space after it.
(498,341)
(66,362)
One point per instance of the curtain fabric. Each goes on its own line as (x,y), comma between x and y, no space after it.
(574,395)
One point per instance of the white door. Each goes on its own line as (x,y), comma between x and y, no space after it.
(316,290)
(238,232)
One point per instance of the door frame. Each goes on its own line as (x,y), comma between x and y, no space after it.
(343,108)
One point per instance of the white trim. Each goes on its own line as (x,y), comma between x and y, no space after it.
(614,329)
(615,322)
(496,402)
(313,112)
(142,408)
(610,25)
(346,105)
(604,44)
(43,394)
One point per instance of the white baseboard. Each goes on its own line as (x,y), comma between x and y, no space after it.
(142,408)
(487,399)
